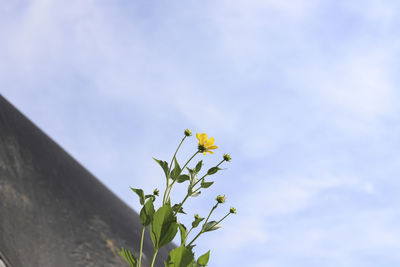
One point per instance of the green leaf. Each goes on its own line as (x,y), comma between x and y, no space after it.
(153,197)
(147,212)
(140,193)
(206,184)
(176,171)
(191,247)
(211,226)
(194,264)
(192,173)
(179,257)
(182,230)
(197,221)
(203,259)
(213,170)
(182,178)
(195,194)
(198,166)
(164,227)
(129,258)
(164,166)
(175,209)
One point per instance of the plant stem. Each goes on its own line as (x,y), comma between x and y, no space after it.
(170,166)
(187,195)
(213,208)
(141,247)
(195,238)
(181,204)
(202,178)
(202,229)
(222,219)
(154,257)
(187,235)
(170,188)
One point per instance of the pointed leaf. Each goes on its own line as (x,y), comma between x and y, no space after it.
(213,170)
(203,259)
(176,207)
(198,166)
(211,226)
(164,227)
(182,178)
(179,257)
(195,194)
(197,221)
(194,264)
(147,212)
(129,258)
(153,197)
(182,230)
(191,247)
(164,166)
(176,171)
(206,184)
(140,193)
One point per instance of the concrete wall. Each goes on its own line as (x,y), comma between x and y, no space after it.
(53,212)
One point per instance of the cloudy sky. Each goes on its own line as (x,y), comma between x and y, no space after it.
(302,93)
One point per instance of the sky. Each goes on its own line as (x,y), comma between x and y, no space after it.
(303,94)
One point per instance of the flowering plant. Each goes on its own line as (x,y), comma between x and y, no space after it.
(164,223)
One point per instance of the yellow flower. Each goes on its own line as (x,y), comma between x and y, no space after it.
(204,144)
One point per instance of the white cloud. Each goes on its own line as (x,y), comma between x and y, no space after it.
(359,84)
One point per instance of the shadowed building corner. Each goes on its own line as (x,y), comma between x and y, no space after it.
(53,212)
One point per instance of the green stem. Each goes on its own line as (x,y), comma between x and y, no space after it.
(181,204)
(210,227)
(213,208)
(202,178)
(187,235)
(153,260)
(141,247)
(202,228)
(187,195)
(195,238)
(170,188)
(170,166)
(222,219)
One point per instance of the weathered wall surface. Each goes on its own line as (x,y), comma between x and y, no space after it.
(53,212)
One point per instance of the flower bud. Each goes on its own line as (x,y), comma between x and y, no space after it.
(188,132)
(155,192)
(232,210)
(221,199)
(227,157)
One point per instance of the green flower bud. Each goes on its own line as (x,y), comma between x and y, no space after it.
(188,132)
(155,192)
(232,210)
(227,157)
(196,216)
(221,199)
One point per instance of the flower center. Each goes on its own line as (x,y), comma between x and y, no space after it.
(201,148)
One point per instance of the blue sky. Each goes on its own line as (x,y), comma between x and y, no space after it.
(303,94)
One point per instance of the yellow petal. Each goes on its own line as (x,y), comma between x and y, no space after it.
(210,142)
(204,153)
(198,136)
(212,147)
(209,151)
(203,138)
